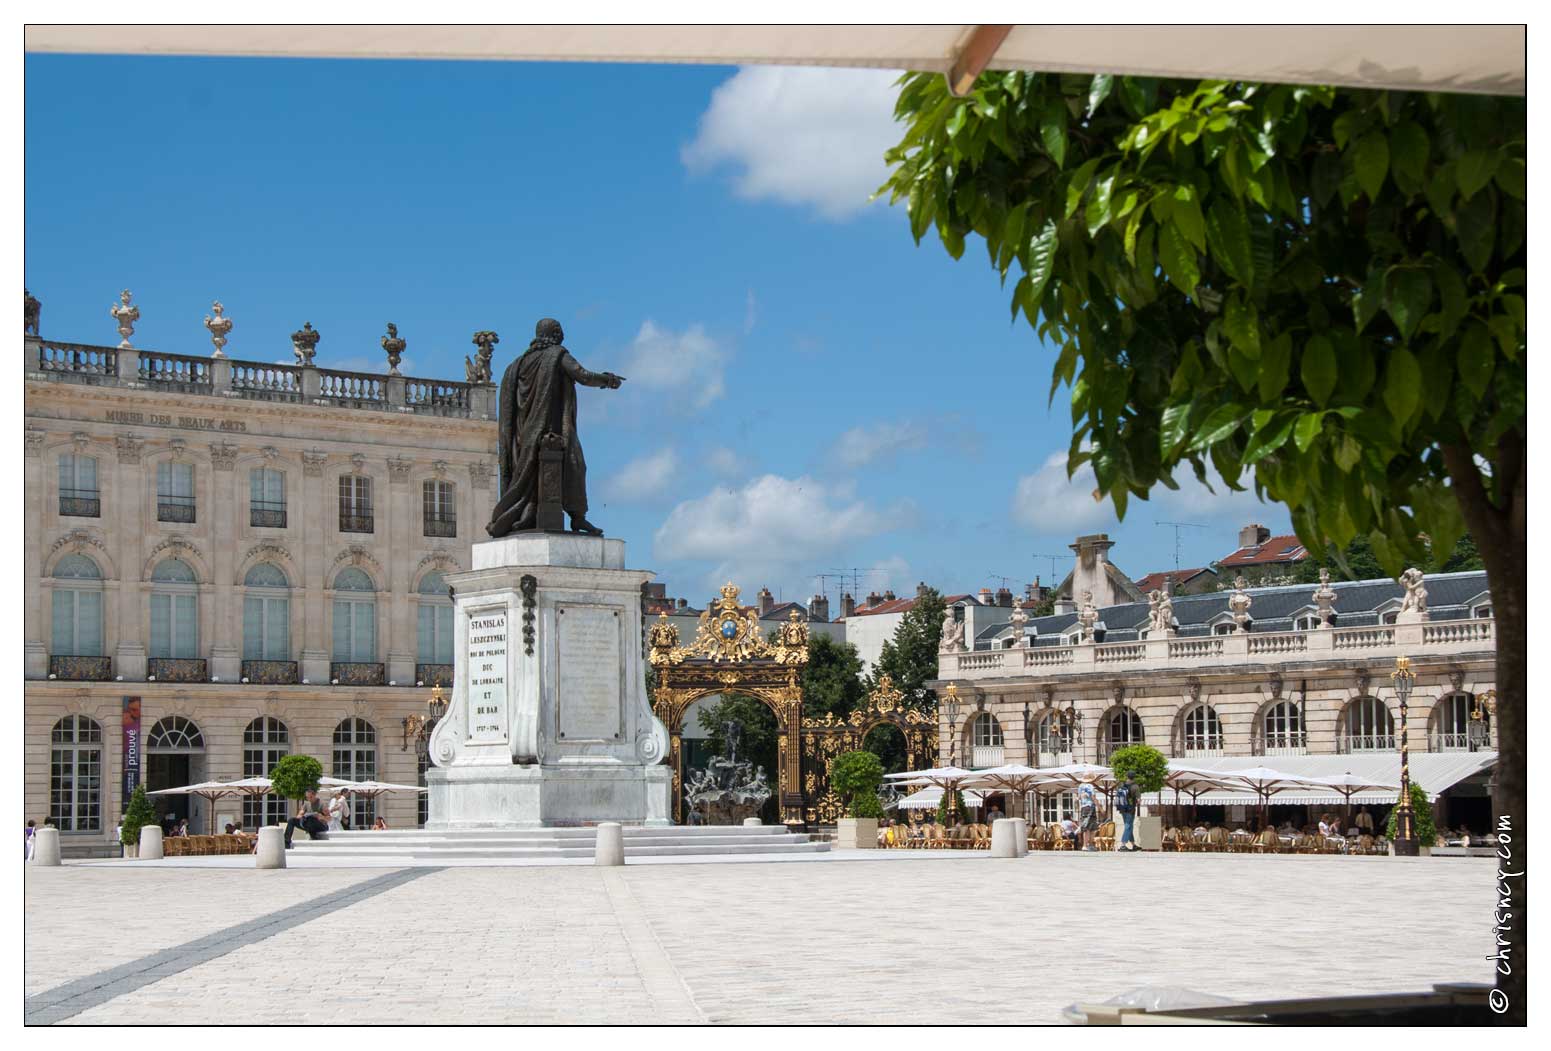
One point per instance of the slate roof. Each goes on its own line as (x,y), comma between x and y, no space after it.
(1359,603)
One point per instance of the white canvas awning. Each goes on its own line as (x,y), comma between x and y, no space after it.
(929,798)
(1435,772)
(1473,58)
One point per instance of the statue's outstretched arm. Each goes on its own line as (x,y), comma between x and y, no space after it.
(586,377)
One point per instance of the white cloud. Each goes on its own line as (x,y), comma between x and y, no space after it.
(1048,502)
(689,361)
(724,461)
(644,479)
(802,136)
(863,445)
(772,529)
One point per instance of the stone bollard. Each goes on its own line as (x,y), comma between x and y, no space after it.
(271,848)
(1020,837)
(752,822)
(1004,838)
(45,846)
(611,844)
(150,843)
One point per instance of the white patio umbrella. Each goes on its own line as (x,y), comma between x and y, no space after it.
(1010,777)
(943,777)
(1349,784)
(1263,781)
(207,790)
(373,789)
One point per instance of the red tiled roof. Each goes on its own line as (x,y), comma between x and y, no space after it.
(900,605)
(1154,581)
(1277,549)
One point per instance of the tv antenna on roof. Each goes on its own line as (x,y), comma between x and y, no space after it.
(1053,580)
(1177,527)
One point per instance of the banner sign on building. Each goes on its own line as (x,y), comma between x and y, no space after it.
(131,748)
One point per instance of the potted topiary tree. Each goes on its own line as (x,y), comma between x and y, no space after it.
(294,776)
(1146,766)
(1422,824)
(137,815)
(856,776)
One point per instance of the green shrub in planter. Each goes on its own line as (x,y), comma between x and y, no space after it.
(942,806)
(1143,763)
(856,776)
(137,815)
(295,775)
(1421,817)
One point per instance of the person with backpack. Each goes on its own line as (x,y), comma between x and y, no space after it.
(1126,796)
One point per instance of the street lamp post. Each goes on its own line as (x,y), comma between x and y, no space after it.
(953,747)
(1405,821)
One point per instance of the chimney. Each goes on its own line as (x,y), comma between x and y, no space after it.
(658,591)
(1253,535)
(1089,573)
(985,596)
(766,601)
(683,603)
(818,608)
(921,589)
(888,596)
(1003,596)
(1031,591)
(873,599)
(847,604)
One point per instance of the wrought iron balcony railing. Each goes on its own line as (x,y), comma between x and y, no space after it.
(268,514)
(441,525)
(177,669)
(271,673)
(357,673)
(355,523)
(80,503)
(1347,743)
(80,669)
(434,674)
(175,509)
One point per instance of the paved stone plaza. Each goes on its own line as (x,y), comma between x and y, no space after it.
(839,939)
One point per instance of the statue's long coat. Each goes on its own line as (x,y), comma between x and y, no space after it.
(538,397)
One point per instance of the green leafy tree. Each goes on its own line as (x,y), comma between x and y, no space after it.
(1425,829)
(1143,763)
(1358,562)
(1314,291)
(137,815)
(942,806)
(887,742)
(910,657)
(856,776)
(294,776)
(832,678)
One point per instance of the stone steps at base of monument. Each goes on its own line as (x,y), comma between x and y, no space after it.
(559,843)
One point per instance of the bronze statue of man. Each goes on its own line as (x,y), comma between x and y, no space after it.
(538,411)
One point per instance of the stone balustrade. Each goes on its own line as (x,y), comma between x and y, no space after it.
(1383,643)
(256,380)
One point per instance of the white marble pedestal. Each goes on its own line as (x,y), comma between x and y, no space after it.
(549,722)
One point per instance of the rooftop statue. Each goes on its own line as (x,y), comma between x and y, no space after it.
(538,423)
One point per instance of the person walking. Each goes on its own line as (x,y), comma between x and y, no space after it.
(1126,796)
(338,805)
(1087,814)
(27,842)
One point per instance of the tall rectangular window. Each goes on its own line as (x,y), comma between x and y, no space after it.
(438,500)
(435,634)
(355,503)
(355,630)
(77,623)
(266,498)
(78,492)
(174,492)
(174,624)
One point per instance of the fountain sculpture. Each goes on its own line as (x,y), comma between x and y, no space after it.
(729,789)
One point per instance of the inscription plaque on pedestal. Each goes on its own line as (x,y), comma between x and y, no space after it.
(590,666)
(487,643)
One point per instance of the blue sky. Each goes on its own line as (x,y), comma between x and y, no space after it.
(807,388)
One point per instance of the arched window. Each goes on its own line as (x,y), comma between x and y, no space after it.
(439,502)
(79,496)
(266,614)
(1367,726)
(75,775)
(985,735)
(1053,736)
(174,610)
(355,759)
(1202,731)
(434,644)
(173,733)
(1122,728)
(1454,729)
(355,617)
(1283,729)
(264,743)
(77,608)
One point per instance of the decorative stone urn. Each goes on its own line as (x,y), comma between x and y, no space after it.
(857,833)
